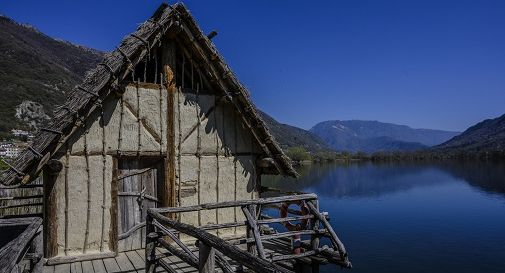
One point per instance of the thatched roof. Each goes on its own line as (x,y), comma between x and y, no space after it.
(116,66)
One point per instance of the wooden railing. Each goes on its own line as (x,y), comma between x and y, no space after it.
(22,251)
(253,250)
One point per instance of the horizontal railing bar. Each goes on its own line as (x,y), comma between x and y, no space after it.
(21,205)
(240,241)
(260,201)
(285,219)
(28,186)
(20,197)
(294,256)
(290,210)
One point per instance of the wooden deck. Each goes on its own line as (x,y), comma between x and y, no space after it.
(130,261)
(133,261)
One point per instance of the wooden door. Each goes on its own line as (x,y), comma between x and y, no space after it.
(140,181)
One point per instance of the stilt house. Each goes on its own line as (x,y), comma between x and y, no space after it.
(161,122)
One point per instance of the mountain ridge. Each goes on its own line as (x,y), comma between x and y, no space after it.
(291,136)
(487,135)
(373,136)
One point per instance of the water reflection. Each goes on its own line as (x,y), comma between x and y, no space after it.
(416,218)
(376,179)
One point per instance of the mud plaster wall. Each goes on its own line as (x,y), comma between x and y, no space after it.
(215,157)
(136,122)
(215,162)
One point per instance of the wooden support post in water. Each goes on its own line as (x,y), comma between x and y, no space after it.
(337,244)
(206,258)
(51,170)
(314,239)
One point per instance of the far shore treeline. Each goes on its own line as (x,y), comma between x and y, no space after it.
(299,155)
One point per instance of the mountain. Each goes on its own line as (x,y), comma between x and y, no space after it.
(291,136)
(488,135)
(35,72)
(374,136)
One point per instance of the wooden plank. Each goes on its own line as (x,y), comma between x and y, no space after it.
(134,258)
(13,251)
(87,267)
(48,269)
(76,267)
(62,268)
(111,265)
(80,258)
(141,253)
(98,266)
(124,263)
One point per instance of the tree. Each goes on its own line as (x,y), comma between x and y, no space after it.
(297,154)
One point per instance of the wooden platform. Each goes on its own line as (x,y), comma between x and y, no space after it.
(130,261)
(133,261)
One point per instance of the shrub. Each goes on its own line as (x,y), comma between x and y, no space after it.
(297,154)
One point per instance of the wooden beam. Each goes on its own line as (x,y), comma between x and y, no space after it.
(168,61)
(253,229)
(51,171)
(206,258)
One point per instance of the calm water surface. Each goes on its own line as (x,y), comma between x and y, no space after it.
(447,217)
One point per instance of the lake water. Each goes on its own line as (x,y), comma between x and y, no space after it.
(445,217)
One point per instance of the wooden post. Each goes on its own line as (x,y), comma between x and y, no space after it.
(253,230)
(38,251)
(251,247)
(314,239)
(51,170)
(169,193)
(151,241)
(206,258)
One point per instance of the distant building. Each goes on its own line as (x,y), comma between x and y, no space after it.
(21,134)
(11,149)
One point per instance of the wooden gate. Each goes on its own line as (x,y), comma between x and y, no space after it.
(139,185)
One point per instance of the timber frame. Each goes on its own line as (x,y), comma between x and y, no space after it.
(107,78)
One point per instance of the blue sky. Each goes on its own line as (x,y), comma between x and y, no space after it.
(427,64)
